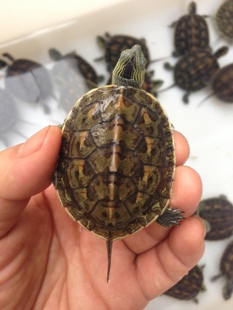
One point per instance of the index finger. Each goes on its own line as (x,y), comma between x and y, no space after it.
(26,170)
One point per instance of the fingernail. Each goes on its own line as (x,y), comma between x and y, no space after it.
(34,143)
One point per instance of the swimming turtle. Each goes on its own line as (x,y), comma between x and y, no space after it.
(189,286)
(27,80)
(195,70)
(226,270)
(116,163)
(224,18)
(191,32)
(218,214)
(73,77)
(113,45)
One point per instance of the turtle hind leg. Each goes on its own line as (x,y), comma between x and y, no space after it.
(170,217)
(227,289)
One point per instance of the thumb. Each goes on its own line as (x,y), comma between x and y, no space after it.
(26,170)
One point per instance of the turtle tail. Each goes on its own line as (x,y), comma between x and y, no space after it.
(109,254)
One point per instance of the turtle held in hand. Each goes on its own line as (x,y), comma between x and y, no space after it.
(116,163)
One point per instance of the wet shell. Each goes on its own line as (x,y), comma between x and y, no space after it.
(191,32)
(189,286)
(218,212)
(222,83)
(116,163)
(224,19)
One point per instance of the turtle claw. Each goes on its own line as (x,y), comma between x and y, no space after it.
(170,217)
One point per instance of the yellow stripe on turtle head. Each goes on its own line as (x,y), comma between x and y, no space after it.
(130,68)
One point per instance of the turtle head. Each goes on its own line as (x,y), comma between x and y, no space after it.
(130,68)
(192,8)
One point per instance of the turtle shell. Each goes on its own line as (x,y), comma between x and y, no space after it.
(116,163)
(195,70)
(226,270)
(8,113)
(224,19)
(73,77)
(222,83)
(218,212)
(191,32)
(28,80)
(189,286)
(114,45)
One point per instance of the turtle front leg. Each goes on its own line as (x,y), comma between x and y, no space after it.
(170,217)
(186,98)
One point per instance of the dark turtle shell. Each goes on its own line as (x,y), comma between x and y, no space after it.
(27,80)
(114,45)
(226,270)
(224,18)
(191,32)
(222,83)
(116,163)
(218,212)
(189,286)
(195,70)
(73,77)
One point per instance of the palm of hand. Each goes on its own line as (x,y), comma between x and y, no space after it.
(48,262)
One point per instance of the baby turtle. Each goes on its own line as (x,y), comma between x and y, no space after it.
(8,113)
(8,117)
(114,45)
(222,83)
(218,213)
(226,270)
(189,286)
(191,32)
(73,76)
(116,163)
(195,70)
(224,19)
(27,80)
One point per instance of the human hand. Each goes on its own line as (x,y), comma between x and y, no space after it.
(48,262)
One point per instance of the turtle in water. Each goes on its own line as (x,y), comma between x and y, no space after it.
(217,212)
(116,163)
(226,270)
(191,32)
(224,19)
(189,286)
(73,77)
(195,70)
